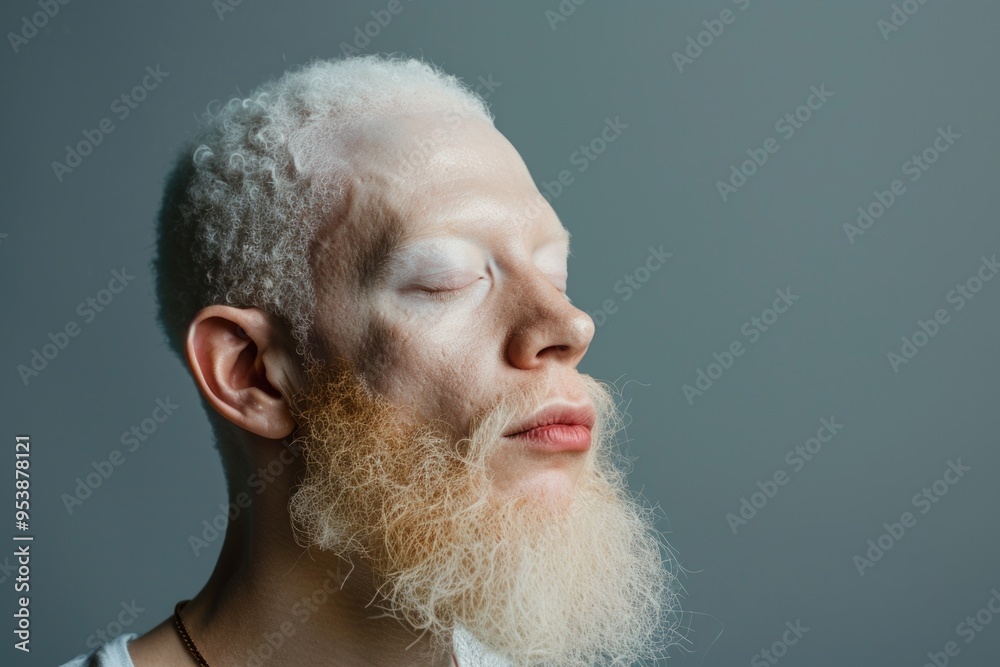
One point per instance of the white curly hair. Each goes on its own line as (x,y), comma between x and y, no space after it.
(240,208)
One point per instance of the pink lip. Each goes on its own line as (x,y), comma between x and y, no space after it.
(559,428)
(557,437)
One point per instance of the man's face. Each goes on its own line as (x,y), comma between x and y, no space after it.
(459,298)
(451,331)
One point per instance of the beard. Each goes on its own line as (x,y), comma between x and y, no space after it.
(562,579)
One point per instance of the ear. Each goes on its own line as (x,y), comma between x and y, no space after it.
(243,362)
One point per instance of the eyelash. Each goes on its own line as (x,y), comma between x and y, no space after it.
(445,294)
(440,294)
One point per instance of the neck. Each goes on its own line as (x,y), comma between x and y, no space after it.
(268,601)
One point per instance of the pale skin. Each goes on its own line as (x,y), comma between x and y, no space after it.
(504,323)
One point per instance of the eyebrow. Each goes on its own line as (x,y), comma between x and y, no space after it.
(373,260)
(565,235)
(376,249)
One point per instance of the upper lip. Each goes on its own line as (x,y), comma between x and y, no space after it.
(573,415)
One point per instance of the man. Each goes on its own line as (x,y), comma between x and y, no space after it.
(370,293)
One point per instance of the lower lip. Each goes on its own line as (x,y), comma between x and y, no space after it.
(557,438)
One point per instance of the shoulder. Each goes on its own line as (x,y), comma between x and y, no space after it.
(113,653)
(469,652)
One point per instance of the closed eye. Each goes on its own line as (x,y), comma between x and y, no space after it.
(442,293)
(439,294)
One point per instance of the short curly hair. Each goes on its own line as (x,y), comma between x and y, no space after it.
(240,211)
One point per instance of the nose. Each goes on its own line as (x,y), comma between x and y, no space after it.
(547,327)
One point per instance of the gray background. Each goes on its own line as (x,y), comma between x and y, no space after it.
(656,184)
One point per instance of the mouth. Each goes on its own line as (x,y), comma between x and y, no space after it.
(559,428)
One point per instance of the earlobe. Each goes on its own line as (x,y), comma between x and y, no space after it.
(238,358)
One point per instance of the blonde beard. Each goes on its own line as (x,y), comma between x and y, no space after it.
(538,579)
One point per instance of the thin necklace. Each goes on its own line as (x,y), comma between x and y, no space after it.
(186,638)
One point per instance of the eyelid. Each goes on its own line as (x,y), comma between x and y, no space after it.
(444,293)
(554,267)
(446,280)
(550,259)
(432,261)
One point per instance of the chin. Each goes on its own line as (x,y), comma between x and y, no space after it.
(555,486)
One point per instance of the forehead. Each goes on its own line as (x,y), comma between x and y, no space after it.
(426,175)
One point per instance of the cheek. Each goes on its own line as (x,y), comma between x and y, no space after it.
(379,354)
(448,379)
(398,362)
